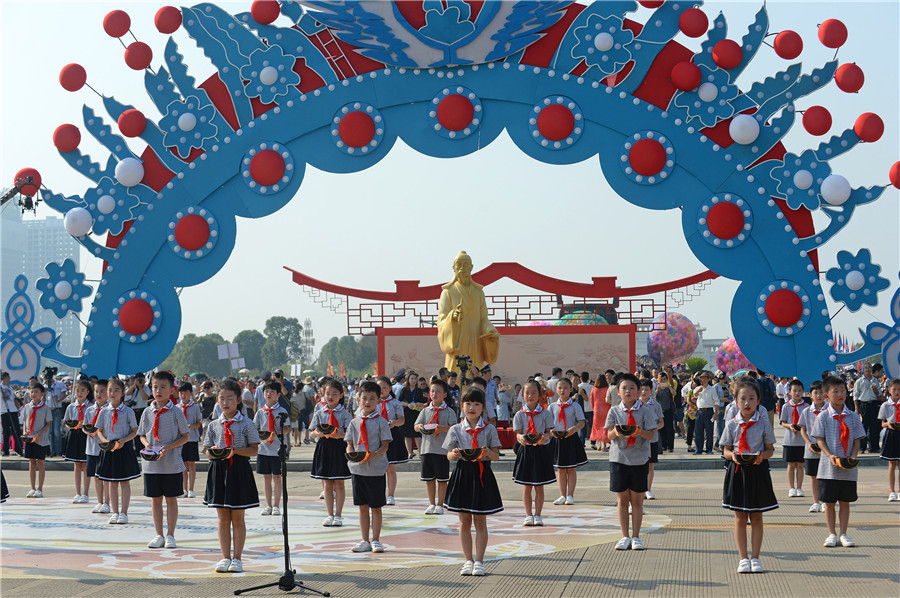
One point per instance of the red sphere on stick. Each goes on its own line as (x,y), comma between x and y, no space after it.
(455,112)
(265,11)
(686,76)
(132,123)
(167,19)
(784,308)
(849,77)
(66,138)
(28,189)
(651,3)
(727,54)
(693,22)
(136,316)
(72,77)
(894,175)
(556,122)
(647,157)
(138,56)
(725,220)
(356,129)
(192,232)
(788,44)
(116,23)
(832,33)
(869,127)
(816,120)
(267,167)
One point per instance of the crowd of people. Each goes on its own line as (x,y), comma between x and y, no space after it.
(117,430)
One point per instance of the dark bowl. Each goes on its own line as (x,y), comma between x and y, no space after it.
(105,446)
(848,463)
(626,430)
(356,456)
(533,438)
(470,454)
(796,427)
(264,435)
(814,447)
(746,458)
(150,456)
(326,429)
(89,428)
(428,431)
(559,433)
(219,453)
(71,423)
(895,426)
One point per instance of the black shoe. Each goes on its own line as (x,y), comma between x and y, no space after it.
(698,453)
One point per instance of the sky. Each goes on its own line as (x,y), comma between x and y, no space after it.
(497,204)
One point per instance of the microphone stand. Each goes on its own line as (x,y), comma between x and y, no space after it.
(287,581)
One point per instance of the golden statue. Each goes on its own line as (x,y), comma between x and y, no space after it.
(463,325)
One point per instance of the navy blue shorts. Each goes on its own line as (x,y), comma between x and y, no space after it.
(90,469)
(628,477)
(268,465)
(369,490)
(163,484)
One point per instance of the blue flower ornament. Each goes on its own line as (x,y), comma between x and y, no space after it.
(799,180)
(269,74)
(187,124)
(855,281)
(63,290)
(111,205)
(711,101)
(602,43)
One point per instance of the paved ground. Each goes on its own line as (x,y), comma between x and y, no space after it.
(690,551)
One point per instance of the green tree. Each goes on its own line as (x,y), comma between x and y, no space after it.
(356,354)
(197,354)
(283,342)
(250,344)
(694,364)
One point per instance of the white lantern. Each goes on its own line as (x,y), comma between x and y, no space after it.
(744,129)
(855,280)
(835,189)
(187,121)
(129,172)
(106,204)
(268,75)
(603,41)
(803,179)
(78,222)
(708,92)
(63,290)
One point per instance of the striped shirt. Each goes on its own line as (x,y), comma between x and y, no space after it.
(377,431)
(433,444)
(758,435)
(125,422)
(193,415)
(572,414)
(657,410)
(342,416)
(639,452)
(243,430)
(807,419)
(543,421)
(792,438)
(172,424)
(270,446)
(92,447)
(42,417)
(827,431)
(459,437)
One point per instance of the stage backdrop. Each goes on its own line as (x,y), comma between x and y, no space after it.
(524,350)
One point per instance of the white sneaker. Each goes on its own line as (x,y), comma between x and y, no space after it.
(560,501)
(222,566)
(114,519)
(814,508)
(170,542)
(98,508)
(570,500)
(529,521)
(267,510)
(191,494)
(377,546)
(429,510)
(30,493)
(105,508)
(438,510)
(847,541)
(792,493)
(478,569)
(799,492)
(183,494)
(157,542)
(893,497)
(123,519)
(276,512)
(649,495)
(77,499)
(38,494)
(755,566)
(637,544)
(328,522)
(236,566)
(390,500)
(467,568)
(322,495)
(538,520)
(744,566)
(624,543)
(338,521)
(830,541)
(362,547)
(629,509)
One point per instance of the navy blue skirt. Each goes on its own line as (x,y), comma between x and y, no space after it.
(473,491)
(76,441)
(231,486)
(568,452)
(120,465)
(329,462)
(397,448)
(890,449)
(748,488)
(534,465)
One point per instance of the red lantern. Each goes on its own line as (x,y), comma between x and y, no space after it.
(31,188)
(727,54)
(167,19)
(138,56)
(693,22)
(132,123)
(265,11)
(66,138)
(849,77)
(816,120)
(869,127)
(686,76)
(832,33)
(788,44)
(650,3)
(894,174)
(72,77)
(117,23)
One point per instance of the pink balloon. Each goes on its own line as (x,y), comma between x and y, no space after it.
(729,358)
(676,343)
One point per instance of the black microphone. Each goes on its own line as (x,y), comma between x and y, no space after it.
(282,417)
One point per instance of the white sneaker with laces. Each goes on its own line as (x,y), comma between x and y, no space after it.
(362,547)
(649,495)
(570,500)
(390,500)
(755,566)
(438,510)
(893,497)
(798,492)
(814,508)
(114,519)
(276,512)
(157,542)
(105,508)
(478,569)
(847,541)
(744,566)
(637,544)
(467,568)
(560,501)
(38,494)
(377,546)
(538,520)
(183,494)
(267,510)
(77,499)
(830,541)
(123,518)
(429,510)
(236,566)
(629,509)
(222,566)
(191,494)
(328,522)
(98,508)
(529,521)
(30,493)
(322,495)
(792,493)
(170,542)
(338,521)
(624,543)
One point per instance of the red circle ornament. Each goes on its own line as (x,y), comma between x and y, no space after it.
(138,56)
(455,112)
(693,22)
(849,77)
(66,137)
(686,76)
(136,316)
(816,120)
(132,123)
(192,232)
(356,129)
(725,220)
(784,308)
(556,122)
(869,127)
(72,77)
(116,23)
(167,19)
(894,175)
(727,54)
(651,3)
(265,11)
(788,44)
(647,157)
(266,168)
(31,188)
(832,33)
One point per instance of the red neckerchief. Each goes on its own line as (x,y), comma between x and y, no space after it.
(531,415)
(157,413)
(478,428)
(34,409)
(795,412)
(81,407)
(363,433)
(185,407)
(332,419)
(96,415)
(271,421)
(896,405)
(115,414)
(743,445)
(384,411)
(845,429)
(637,405)
(437,413)
(228,434)
(562,410)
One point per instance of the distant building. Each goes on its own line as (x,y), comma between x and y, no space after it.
(27,247)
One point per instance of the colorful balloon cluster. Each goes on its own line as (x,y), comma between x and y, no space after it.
(676,342)
(581,318)
(729,358)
